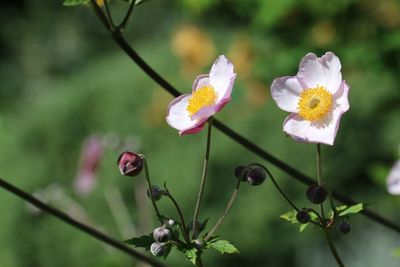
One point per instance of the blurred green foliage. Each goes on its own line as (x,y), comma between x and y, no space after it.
(62,79)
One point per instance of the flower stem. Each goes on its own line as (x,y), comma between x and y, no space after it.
(122,25)
(319,176)
(332,247)
(222,218)
(182,225)
(203,180)
(146,168)
(277,186)
(109,16)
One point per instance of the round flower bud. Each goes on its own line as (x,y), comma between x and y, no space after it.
(303,217)
(317,193)
(156,192)
(344,227)
(130,164)
(158,249)
(240,172)
(171,222)
(199,244)
(161,234)
(256,176)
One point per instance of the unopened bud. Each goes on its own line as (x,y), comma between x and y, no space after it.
(240,172)
(156,192)
(344,227)
(130,164)
(158,249)
(161,234)
(199,244)
(303,217)
(256,176)
(317,193)
(171,222)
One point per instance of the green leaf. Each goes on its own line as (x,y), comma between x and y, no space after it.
(303,226)
(191,255)
(340,208)
(290,216)
(75,2)
(352,209)
(222,246)
(144,241)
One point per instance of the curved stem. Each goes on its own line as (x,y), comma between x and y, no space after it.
(146,168)
(222,218)
(277,186)
(332,248)
(203,180)
(122,25)
(199,262)
(235,136)
(182,224)
(74,223)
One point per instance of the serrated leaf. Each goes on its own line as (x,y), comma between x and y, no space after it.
(290,216)
(352,210)
(75,2)
(143,241)
(223,246)
(191,255)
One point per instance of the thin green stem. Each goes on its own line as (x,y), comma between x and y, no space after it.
(332,248)
(108,12)
(319,176)
(182,224)
(203,180)
(122,25)
(146,168)
(228,207)
(277,186)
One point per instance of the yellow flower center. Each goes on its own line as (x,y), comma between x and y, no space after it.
(315,103)
(203,97)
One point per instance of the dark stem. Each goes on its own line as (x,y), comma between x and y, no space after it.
(99,13)
(332,247)
(109,16)
(147,174)
(83,227)
(203,179)
(228,207)
(182,224)
(277,186)
(199,262)
(297,175)
(122,25)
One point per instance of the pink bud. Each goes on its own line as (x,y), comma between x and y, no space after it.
(130,164)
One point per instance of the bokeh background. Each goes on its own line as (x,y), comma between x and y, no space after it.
(71,101)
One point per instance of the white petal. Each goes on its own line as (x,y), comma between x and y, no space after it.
(341,97)
(323,71)
(285,91)
(201,81)
(178,116)
(222,77)
(393,180)
(296,127)
(324,132)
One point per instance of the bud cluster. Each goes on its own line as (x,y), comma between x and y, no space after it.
(161,236)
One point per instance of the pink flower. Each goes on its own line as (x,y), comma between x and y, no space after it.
(316,98)
(210,93)
(393,180)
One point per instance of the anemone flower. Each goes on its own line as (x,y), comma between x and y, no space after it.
(316,98)
(393,179)
(210,93)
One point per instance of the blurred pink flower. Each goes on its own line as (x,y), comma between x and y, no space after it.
(90,157)
(316,98)
(393,179)
(210,93)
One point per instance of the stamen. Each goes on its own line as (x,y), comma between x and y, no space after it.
(203,97)
(315,103)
